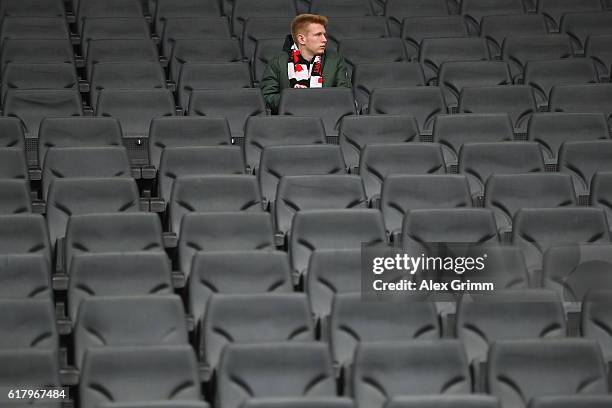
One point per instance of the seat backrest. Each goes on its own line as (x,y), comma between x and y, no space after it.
(184,8)
(579,26)
(520,48)
(179,28)
(15,197)
(433,401)
(127,28)
(24,234)
(13,164)
(28,367)
(11,133)
(25,276)
(601,193)
(343,28)
(456,75)
(435,51)
(416,29)
(28,323)
(495,28)
(110,8)
(554,10)
(36,50)
(244,9)
(120,50)
(370,50)
(265,49)
(572,401)
(341,8)
(475,10)
(583,159)
(593,98)
(312,402)
(596,319)
(202,50)
(256,29)
(397,10)
(20,75)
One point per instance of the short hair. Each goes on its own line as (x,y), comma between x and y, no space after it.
(300,23)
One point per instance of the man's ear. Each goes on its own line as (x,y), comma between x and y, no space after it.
(301,39)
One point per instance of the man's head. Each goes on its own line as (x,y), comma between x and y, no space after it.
(308,32)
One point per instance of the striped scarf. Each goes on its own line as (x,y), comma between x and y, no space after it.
(301,73)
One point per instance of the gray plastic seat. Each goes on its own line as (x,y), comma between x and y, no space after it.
(378,161)
(554,10)
(156,404)
(341,8)
(11,133)
(397,10)
(110,8)
(25,276)
(29,50)
(504,267)
(435,51)
(589,98)
(28,367)
(596,319)
(601,193)
(383,370)
(17,75)
(474,10)
(120,50)
(402,193)
(22,234)
(416,29)
(572,401)
(544,367)
(13,164)
(26,8)
(309,402)
(167,9)
(370,50)
(496,28)
(344,28)
(131,374)
(113,28)
(597,48)
(444,401)
(256,29)
(265,49)
(181,28)
(245,9)
(203,50)
(262,370)
(28,323)
(25,27)
(579,26)
(518,49)
(582,160)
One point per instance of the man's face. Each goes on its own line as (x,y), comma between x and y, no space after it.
(314,39)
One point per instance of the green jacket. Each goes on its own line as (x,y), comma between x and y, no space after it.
(276,78)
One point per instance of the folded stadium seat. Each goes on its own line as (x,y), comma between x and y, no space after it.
(582,160)
(195,76)
(369,76)
(397,10)
(579,26)
(264,50)
(228,231)
(357,131)
(596,319)
(402,193)
(113,28)
(137,373)
(112,232)
(517,50)
(185,131)
(91,162)
(245,9)
(13,164)
(434,51)
(196,161)
(344,28)
(505,267)
(454,76)
(253,319)
(27,8)
(75,196)
(543,75)
(342,8)
(518,101)
(453,131)
(589,98)
(261,28)
(109,8)
(38,76)
(299,193)
(22,234)
(26,276)
(15,197)
(11,133)
(544,367)
(315,230)
(28,323)
(132,75)
(354,321)
(288,369)
(192,27)
(536,230)
(553,10)
(601,193)
(34,27)
(263,131)
(156,404)
(167,9)
(379,160)
(551,130)
(508,315)
(474,10)
(307,402)
(297,160)
(145,321)
(120,50)
(597,47)
(28,368)
(496,28)
(423,103)
(363,50)
(416,29)
(237,105)
(505,194)
(572,401)
(437,401)
(383,370)
(117,274)
(574,271)
(213,193)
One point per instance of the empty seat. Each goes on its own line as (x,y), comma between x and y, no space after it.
(113,28)
(25,276)
(517,50)
(260,28)
(554,10)
(46,8)
(193,27)
(496,28)
(583,159)
(28,367)
(381,160)
(34,27)
(263,131)
(167,9)
(383,370)
(24,234)
(11,133)
(86,9)
(253,319)
(354,321)
(117,274)
(37,51)
(590,98)
(359,51)
(341,8)
(311,402)
(601,193)
(509,315)
(551,130)
(75,196)
(31,106)
(454,76)
(505,268)
(15,197)
(211,76)
(517,101)
(475,10)
(536,230)
(597,48)
(544,367)
(262,370)
(416,29)
(245,9)
(196,161)
(572,401)
(13,164)
(131,374)
(112,232)
(299,193)
(402,193)
(506,194)
(237,105)
(156,404)
(596,320)
(434,51)
(265,50)
(332,229)
(120,50)
(223,232)
(358,131)
(93,162)
(329,104)
(197,50)
(579,26)
(38,76)
(423,103)
(297,160)
(434,401)
(145,321)
(396,10)
(369,76)
(212,194)
(344,28)
(28,323)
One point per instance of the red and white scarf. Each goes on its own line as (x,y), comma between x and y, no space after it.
(301,73)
